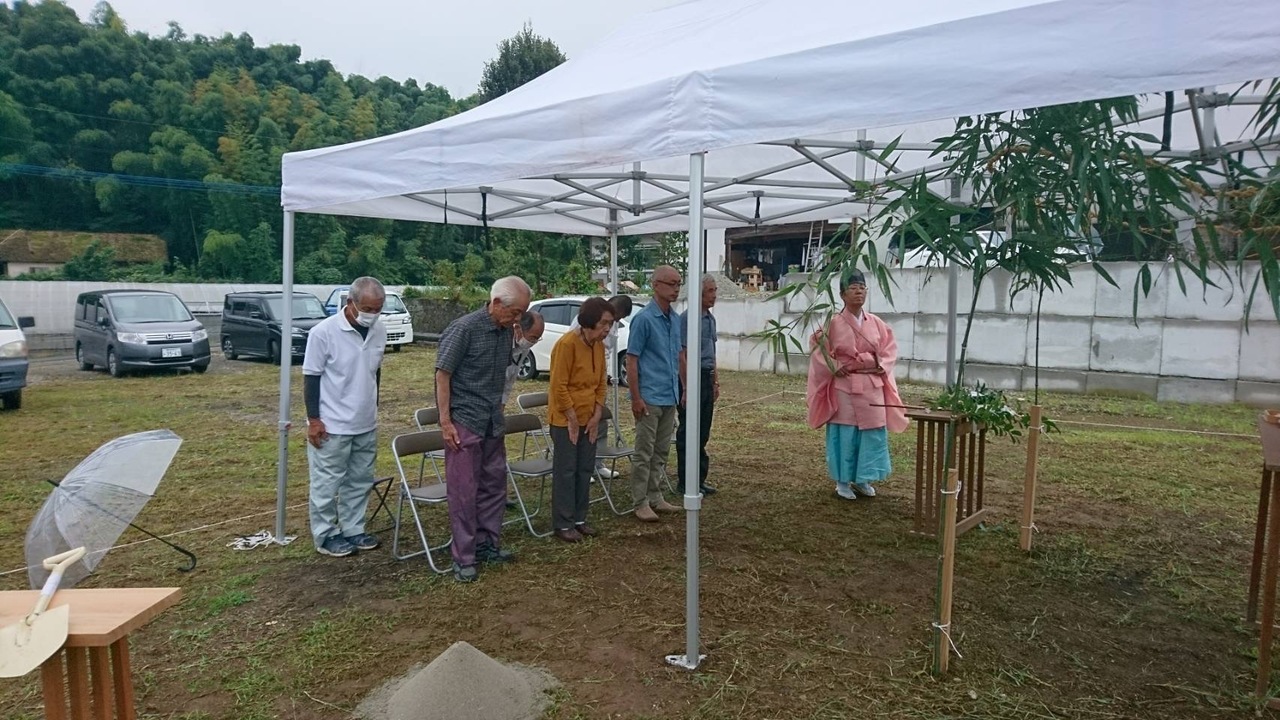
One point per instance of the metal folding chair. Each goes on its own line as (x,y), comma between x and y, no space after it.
(428,418)
(537,467)
(611,453)
(406,446)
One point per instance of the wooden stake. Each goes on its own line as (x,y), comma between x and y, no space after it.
(1268,618)
(1029,485)
(942,639)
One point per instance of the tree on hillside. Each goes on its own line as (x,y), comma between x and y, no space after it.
(521,58)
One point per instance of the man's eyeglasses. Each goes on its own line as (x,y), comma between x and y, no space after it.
(672,283)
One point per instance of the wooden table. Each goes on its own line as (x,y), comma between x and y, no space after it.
(97,649)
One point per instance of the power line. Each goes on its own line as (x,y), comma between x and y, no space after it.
(140,180)
(116,119)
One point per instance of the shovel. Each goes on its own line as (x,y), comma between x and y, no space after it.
(26,644)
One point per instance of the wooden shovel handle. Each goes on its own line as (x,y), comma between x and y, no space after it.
(58,564)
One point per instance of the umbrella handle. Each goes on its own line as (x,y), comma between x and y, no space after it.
(58,564)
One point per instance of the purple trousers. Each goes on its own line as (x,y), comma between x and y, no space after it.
(476,481)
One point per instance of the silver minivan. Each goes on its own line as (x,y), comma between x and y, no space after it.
(124,330)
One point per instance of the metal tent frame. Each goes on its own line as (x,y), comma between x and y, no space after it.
(787,148)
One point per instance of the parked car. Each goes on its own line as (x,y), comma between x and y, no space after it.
(13,357)
(395,316)
(251,323)
(558,314)
(125,330)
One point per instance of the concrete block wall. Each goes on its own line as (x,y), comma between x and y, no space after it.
(1191,348)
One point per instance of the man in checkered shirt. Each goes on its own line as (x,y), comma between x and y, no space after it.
(471,372)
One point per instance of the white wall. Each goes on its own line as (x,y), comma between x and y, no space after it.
(1187,348)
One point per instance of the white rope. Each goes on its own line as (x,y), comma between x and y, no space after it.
(1210,433)
(259,539)
(946,632)
(756,400)
(1032,527)
(959,485)
(172,534)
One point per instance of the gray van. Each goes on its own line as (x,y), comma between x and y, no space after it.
(126,330)
(251,323)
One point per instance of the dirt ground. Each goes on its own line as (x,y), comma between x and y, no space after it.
(810,607)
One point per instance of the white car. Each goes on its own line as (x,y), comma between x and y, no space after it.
(559,313)
(399,324)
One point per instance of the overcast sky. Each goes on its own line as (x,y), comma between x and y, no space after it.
(436,41)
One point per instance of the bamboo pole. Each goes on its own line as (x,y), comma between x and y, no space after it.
(1029,485)
(946,573)
(1268,618)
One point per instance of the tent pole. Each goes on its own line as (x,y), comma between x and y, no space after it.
(617,289)
(286,363)
(693,411)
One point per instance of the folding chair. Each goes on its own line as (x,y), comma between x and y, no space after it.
(533,401)
(529,468)
(406,446)
(428,418)
(611,453)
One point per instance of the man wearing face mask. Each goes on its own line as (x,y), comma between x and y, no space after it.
(527,333)
(341,372)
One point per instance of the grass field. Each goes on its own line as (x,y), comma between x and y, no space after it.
(1130,606)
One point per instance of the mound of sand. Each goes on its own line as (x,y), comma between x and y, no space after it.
(462,683)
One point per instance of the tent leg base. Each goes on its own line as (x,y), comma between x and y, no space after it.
(682,661)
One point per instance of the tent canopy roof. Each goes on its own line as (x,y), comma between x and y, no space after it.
(780,94)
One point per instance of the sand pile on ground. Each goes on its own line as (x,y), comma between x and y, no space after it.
(462,683)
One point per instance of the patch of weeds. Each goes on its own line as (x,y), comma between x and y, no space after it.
(1069,557)
(226,600)
(256,687)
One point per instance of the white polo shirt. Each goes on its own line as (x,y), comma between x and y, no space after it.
(348,368)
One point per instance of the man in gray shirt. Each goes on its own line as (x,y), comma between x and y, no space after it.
(471,373)
(710,385)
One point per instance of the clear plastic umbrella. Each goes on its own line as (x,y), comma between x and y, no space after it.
(96,501)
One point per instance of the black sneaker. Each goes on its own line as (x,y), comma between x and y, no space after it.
(466,574)
(336,546)
(363,541)
(487,553)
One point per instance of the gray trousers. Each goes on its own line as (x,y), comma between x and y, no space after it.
(341,478)
(653,443)
(571,467)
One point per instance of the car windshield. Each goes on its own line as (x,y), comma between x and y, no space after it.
(153,308)
(305,307)
(6,320)
(393,305)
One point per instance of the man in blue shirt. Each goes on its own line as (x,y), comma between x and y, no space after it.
(709,387)
(653,364)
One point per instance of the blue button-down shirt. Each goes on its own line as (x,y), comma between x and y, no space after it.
(655,342)
(708,347)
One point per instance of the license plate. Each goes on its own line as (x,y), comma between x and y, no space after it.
(170,352)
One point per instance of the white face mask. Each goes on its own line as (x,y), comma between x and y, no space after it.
(366,319)
(524,344)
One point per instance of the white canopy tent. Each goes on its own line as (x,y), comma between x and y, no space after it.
(782,102)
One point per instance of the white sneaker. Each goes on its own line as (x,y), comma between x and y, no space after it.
(606,473)
(845,492)
(865,489)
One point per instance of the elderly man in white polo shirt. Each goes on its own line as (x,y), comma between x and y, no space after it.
(341,372)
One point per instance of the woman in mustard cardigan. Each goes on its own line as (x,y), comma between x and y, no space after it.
(575,406)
